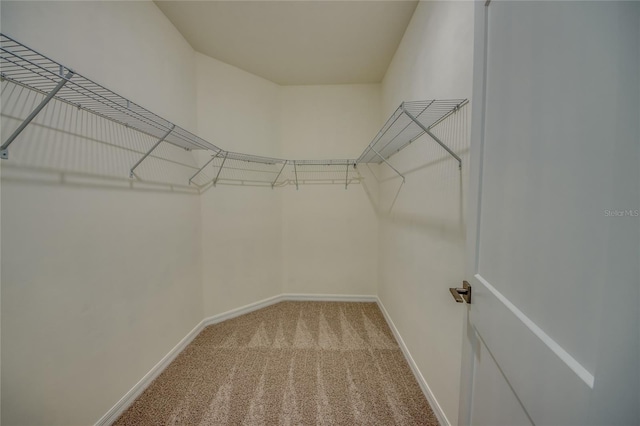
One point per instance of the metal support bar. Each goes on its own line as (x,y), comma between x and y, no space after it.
(220,169)
(346,179)
(279,173)
(205,165)
(387,163)
(427,131)
(295,170)
(151,150)
(435,138)
(4,152)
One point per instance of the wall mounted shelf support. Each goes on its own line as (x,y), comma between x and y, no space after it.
(215,181)
(427,130)
(4,151)
(213,157)
(295,170)
(346,178)
(387,163)
(131,174)
(279,173)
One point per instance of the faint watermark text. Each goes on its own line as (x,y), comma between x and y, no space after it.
(622,213)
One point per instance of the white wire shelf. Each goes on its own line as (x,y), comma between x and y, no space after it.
(410,121)
(27,68)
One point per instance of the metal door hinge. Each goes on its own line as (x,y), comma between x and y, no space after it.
(462,294)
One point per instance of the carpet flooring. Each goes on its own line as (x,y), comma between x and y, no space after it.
(292,363)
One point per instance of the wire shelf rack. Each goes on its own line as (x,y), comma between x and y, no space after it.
(410,121)
(27,68)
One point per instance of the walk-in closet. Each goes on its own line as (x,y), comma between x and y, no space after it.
(319,212)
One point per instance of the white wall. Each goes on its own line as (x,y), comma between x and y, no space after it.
(258,242)
(329,234)
(241,226)
(422,234)
(100,276)
(100,279)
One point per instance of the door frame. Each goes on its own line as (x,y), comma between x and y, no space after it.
(469,339)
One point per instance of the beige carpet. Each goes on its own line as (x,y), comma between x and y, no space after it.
(288,364)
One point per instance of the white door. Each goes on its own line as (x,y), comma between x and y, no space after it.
(553,327)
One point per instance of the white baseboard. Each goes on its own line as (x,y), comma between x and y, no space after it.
(124,403)
(302,297)
(242,310)
(437,409)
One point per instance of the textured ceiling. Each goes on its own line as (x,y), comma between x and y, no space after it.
(296,42)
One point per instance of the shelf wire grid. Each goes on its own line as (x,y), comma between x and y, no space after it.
(320,171)
(400,130)
(32,70)
(246,169)
(26,67)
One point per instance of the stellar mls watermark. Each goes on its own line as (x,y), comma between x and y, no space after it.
(622,213)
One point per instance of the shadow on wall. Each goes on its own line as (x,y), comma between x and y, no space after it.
(64,145)
(431,174)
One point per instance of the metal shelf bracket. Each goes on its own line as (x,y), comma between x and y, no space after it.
(131,174)
(295,170)
(279,173)
(388,164)
(205,165)
(427,130)
(215,181)
(4,149)
(346,178)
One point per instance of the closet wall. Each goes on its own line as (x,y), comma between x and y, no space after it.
(422,234)
(99,280)
(329,234)
(258,242)
(241,226)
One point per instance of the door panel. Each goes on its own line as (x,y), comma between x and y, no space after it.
(494,386)
(555,144)
(552,386)
(552,77)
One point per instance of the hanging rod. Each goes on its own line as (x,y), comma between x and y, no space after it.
(27,68)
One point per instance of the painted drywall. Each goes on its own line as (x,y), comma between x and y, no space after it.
(422,229)
(165,249)
(259,242)
(241,226)
(330,233)
(100,277)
